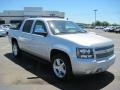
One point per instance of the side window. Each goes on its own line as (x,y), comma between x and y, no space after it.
(39,27)
(27,26)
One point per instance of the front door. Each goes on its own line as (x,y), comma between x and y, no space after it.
(40,44)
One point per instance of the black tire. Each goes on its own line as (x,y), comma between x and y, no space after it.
(68,67)
(18,52)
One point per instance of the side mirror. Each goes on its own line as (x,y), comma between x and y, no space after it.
(40,31)
(44,33)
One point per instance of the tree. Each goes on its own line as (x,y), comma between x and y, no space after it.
(114,24)
(104,23)
(93,24)
(99,23)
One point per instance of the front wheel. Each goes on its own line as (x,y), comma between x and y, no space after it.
(61,67)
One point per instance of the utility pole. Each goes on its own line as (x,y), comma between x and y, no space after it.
(95,15)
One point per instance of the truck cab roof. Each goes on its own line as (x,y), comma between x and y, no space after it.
(45,19)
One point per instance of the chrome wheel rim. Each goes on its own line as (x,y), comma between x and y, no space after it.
(15,50)
(59,68)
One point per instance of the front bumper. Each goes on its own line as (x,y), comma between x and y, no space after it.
(91,66)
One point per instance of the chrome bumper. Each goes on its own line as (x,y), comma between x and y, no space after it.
(92,66)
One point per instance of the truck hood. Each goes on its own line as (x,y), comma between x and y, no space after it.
(87,39)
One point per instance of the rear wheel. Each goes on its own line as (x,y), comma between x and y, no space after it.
(61,67)
(15,49)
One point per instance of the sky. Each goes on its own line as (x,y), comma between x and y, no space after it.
(76,10)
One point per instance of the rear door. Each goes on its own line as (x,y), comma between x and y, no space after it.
(25,37)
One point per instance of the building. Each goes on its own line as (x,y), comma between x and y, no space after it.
(16,16)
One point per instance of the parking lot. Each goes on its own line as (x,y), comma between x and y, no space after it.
(27,73)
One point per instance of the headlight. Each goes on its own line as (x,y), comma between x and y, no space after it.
(84,53)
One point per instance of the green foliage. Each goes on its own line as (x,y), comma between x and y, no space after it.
(104,23)
(114,24)
(99,23)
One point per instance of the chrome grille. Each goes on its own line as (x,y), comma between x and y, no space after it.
(103,52)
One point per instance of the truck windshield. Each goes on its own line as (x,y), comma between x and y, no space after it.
(64,27)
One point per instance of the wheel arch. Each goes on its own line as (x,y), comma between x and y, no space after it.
(14,40)
(57,51)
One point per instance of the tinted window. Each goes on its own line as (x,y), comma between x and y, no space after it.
(27,26)
(39,27)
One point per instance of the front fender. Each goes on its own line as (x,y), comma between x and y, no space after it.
(71,52)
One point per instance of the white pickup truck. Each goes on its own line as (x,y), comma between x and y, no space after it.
(70,49)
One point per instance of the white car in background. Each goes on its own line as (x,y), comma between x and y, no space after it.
(6,27)
(117,30)
(2,32)
(108,29)
(99,27)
